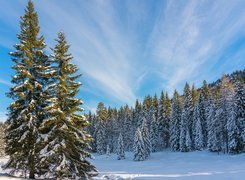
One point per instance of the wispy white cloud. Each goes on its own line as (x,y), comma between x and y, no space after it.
(189,37)
(120,46)
(2,81)
(100,47)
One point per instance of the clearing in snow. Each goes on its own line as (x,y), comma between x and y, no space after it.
(173,165)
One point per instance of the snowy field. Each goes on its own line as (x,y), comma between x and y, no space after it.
(173,165)
(167,165)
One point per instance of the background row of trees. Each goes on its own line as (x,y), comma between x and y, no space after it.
(211,117)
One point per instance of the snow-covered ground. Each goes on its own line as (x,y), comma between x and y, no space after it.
(173,165)
(4,174)
(167,165)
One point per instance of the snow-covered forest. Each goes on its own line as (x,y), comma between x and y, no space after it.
(48,135)
(208,118)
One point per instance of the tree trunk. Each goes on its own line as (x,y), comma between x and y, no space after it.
(32,169)
(32,174)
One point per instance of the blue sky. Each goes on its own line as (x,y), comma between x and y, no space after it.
(127,49)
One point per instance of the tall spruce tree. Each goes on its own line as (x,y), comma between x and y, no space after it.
(202,114)
(214,125)
(233,130)
(235,121)
(114,130)
(194,101)
(198,138)
(160,121)
(65,143)
(93,133)
(120,148)
(91,129)
(100,136)
(210,111)
(153,133)
(139,146)
(224,100)
(26,112)
(186,121)
(146,138)
(167,116)
(109,129)
(175,122)
(127,130)
(239,103)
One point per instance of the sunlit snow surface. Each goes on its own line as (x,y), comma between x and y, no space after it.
(167,165)
(173,165)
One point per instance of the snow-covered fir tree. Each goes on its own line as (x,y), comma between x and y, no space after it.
(100,136)
(167,116)
(153,133)
(235,120)
(65,146)
(175,120)
(198,138)
(239,103)
(115,130)
(91,130)
(160,122)
(224,100)
(120,148)
(110,129)
(183,130)
(203,105)
(232,129)
(146,138)
(127,130)
(28,93)
(139,147)
(194,101)
(186,119)
(214,126)
(210,111)
(202,113)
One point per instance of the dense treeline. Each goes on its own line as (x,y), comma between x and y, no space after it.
(211,117)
